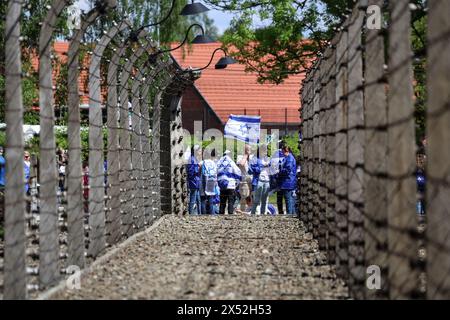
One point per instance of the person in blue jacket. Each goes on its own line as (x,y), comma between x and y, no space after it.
(26,169)
(286,181)
(193,177)
(421,183)
(2,185)
(2,169)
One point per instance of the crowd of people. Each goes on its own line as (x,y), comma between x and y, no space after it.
(222,185)
(61,162)
(244,186)
(26,169)
(219,185)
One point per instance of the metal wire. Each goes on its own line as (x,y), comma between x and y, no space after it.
(73,214)
(358,194)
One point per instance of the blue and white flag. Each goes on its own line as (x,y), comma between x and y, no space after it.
(243,128)
(228,173)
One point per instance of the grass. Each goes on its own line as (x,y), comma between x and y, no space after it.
(273,199)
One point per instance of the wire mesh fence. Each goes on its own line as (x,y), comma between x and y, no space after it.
(71,208)
(358,194)
(358,191)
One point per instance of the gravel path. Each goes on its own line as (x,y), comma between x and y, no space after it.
(226,257)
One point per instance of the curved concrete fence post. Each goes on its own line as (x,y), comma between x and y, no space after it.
(127,138)
(157,174)
(148,166)
(138,116)
(172,199)
(330,144)
(340,156)
(125,153)
(125,173)
(15,286)
(438,113)
(176,153)
(145,145)
(114,217)
(375,191)
(48,226)
(403,273)
(114,221)
(136,152)
(75,210)
(96,156)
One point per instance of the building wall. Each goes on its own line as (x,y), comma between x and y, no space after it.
(289,129)
(195,108)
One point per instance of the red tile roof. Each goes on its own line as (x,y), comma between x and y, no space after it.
(61,48)
(233,91)
(227,91)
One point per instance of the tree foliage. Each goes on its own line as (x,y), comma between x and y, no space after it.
(33,13)
(144,12)
(276,38)
(419,27)
(286,35)
(139,12)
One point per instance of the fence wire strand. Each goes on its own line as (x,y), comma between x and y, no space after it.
(82,200)
(358,192)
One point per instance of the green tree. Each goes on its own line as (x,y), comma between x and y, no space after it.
(2,98)
(292,142)
(419,26)
(276,38)
(139,12)
(144,12)
(208,24)
(33,13)
(292,33)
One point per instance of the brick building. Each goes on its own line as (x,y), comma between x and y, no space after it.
(60,49)
(219,93)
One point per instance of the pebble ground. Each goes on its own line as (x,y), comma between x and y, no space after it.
(215,257)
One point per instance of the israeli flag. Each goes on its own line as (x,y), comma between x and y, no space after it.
(243,128)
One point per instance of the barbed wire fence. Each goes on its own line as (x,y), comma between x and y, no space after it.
(358,192)
(70,219)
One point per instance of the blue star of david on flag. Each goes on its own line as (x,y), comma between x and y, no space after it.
(243,128)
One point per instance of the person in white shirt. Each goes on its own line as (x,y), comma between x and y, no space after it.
(208,182)
(228,177)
